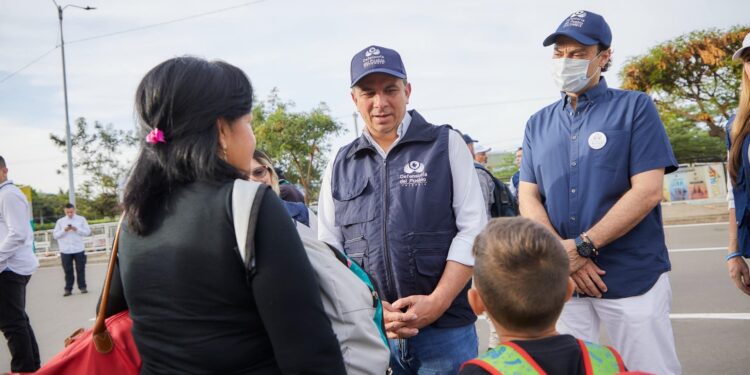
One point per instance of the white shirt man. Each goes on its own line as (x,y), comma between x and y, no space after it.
(16,236)
(69,232)
(17,263)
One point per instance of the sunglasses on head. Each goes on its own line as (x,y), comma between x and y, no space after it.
(260,172)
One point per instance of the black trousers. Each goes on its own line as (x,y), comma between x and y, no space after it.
(14,323)
(80,269)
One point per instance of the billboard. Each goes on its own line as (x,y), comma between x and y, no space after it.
(690,183)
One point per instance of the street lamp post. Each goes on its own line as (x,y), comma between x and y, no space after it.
(68,141)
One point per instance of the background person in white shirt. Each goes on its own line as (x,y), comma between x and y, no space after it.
(17,263)
(69,233)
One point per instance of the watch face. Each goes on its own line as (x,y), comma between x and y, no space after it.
(584,250)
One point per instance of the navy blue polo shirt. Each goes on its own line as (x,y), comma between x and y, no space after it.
(582,160)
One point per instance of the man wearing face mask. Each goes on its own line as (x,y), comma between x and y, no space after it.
(592,171)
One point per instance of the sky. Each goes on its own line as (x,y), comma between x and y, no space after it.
(478,65)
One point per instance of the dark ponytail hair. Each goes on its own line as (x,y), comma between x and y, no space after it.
(183,97)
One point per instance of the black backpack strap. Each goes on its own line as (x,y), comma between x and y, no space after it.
(250,239)
(339,255)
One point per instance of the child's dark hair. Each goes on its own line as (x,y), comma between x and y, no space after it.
(183,97)
(521,273)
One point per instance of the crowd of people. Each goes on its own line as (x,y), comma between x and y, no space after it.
(419,219)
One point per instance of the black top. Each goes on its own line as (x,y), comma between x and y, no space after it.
(555,355)
(192,309)
(290,193)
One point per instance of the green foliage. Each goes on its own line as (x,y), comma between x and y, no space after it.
(502,165)
(296,141)
(51,225)
(690,142)
(49,207)
(96,153)
(694,83)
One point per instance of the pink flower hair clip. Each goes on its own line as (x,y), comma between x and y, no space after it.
(155,136)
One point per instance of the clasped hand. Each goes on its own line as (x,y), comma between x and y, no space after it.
(421,311)
(584,272)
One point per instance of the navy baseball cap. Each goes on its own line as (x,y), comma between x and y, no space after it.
(468,139)
(376,59)
(585,27)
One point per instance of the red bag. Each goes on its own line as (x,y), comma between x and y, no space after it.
(107,348)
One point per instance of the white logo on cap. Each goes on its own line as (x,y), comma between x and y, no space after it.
(576,19)
(372,51)
(597,140)
(580,14)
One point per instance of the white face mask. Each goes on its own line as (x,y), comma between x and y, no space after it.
(570,75)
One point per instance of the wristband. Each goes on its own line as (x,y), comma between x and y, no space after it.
(732,255)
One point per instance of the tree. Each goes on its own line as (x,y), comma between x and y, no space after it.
(502,165)
(297,141)
(695,85)
(691,143)
(96,153)
(48,207)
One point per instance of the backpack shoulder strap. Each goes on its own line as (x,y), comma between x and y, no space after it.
(508,358)
(600,359)
(339,255)
(246,199)
(483,365)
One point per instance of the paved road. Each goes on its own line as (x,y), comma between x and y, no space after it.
(710,340)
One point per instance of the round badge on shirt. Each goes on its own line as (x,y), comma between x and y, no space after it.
(597,140)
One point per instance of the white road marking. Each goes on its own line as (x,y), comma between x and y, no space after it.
(722,316)
(690,250)
(694,225)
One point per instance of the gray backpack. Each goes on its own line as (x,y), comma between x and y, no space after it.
(350,303)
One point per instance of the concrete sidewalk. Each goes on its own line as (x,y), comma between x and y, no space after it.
(694,213)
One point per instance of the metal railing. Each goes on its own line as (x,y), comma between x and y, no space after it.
(101,238)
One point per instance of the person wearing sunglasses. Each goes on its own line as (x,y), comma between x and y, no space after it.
(262,170)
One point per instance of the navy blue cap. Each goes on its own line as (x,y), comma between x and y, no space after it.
(376,59)
(468,139)
(585,27)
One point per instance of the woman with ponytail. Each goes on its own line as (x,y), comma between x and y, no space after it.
(738,162)
(194,309)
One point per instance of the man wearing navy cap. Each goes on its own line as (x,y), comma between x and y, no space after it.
(592,171)
(470,143)
(404,202)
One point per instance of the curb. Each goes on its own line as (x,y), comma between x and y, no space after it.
(700,219)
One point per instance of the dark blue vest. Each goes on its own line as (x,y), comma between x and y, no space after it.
(741,192)
(396,215)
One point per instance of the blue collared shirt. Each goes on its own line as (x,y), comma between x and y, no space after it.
(582,160)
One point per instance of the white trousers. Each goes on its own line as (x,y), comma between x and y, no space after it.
(639,327)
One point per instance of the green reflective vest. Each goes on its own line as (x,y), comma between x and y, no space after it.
(509,358)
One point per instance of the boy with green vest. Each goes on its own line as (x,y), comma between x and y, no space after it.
(521,281)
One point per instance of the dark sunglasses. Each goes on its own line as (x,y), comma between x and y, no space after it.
(260,172)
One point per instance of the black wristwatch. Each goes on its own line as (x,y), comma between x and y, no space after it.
(585,248)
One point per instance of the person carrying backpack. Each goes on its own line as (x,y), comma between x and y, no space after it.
(502,202)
